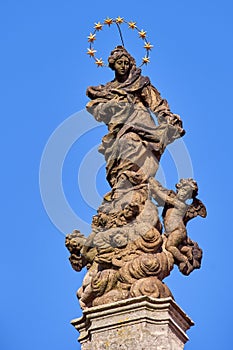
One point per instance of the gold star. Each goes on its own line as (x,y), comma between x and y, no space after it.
(98,26)
(108,21)
(146,60)
(99,62)
(142,34)
(91,52)
(132,25)
(119,20)
(91,38)
(148,46)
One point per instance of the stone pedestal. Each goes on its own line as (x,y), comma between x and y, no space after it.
(141,323)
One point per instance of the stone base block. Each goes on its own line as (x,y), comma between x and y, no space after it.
(141,323)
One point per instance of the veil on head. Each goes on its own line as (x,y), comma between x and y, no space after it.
(117,53)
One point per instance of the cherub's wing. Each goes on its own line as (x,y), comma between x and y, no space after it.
(195,209)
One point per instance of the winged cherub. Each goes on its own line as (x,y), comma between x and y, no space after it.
(176,213)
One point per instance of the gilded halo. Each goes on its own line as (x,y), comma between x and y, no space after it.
(118,22)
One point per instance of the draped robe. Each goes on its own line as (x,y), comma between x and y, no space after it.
(135,141)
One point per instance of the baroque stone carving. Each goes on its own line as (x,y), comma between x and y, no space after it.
(139,323)
(130,251)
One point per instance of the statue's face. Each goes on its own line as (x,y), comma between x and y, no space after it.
(121,66)
(184,193)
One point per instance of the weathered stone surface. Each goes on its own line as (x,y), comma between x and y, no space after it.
(141,323)
(130,251)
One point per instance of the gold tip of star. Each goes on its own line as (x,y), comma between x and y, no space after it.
(132,25)
(148,46)
(146,60)
(119,20)
(99,62)
(98,26)
(91,52)
(108,21)
(142,34)
(91,38)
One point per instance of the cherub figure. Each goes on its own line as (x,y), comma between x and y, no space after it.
(176,213)
(76,242)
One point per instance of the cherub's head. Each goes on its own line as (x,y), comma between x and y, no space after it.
(130,211)
(75,241)
(187,189)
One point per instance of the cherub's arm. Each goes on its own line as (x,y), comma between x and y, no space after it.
(161,194)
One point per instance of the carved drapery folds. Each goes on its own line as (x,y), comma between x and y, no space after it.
(129,251)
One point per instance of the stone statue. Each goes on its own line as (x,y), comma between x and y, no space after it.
(129,251)
(176,214)
(134,142)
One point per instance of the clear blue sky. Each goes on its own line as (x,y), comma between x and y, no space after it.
(44,75)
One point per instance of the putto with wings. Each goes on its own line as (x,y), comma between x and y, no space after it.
(176,214)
